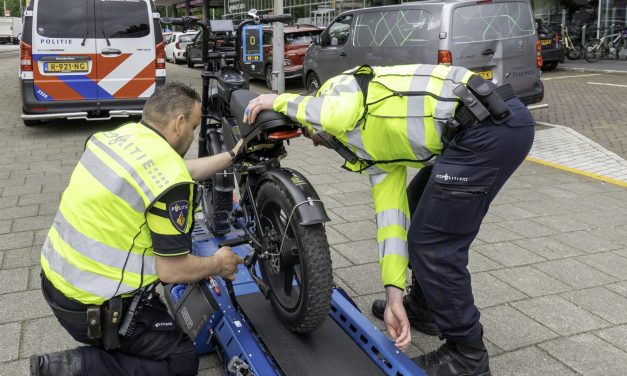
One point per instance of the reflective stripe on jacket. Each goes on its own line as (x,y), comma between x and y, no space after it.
(99,245)
(407,108)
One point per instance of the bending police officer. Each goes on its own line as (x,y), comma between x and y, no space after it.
(397,117)
(124,224)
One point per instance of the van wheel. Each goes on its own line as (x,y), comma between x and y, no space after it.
(313,83)
(551,66)
(31,123)
(268,75)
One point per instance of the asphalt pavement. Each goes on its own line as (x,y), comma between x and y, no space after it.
(549,266)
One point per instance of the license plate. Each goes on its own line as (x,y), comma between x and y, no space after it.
(545,42)
(66,67)
(486,74)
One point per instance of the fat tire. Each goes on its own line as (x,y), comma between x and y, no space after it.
(214,201)
(315,263)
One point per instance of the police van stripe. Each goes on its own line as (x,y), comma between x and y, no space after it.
(100,252)
(110,180)
(393,246)
(92,283)
(126,166)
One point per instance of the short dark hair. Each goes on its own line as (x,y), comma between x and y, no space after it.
(169,101)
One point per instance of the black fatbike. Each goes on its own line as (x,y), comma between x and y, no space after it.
(278,209)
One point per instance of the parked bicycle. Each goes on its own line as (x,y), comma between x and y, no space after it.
(572,45)
(279,211)
(613,46)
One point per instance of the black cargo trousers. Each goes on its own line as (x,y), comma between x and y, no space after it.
(156,347)
(448,202)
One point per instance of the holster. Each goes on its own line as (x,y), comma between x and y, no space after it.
(112,318)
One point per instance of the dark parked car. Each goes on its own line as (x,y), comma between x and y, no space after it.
(552,47)
(297,39)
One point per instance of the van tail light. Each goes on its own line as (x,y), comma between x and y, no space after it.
(445,57)
(160,54)
(177,45)
(539,61)
(26,57)
(484,2)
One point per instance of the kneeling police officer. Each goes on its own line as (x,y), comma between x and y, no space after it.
(124,224)
(467,137)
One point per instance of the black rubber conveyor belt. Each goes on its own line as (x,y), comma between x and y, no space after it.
(326,351)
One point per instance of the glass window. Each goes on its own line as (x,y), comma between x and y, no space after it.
(186,37)
(65,18)
(124,19)
(337,33)
(392,28)
(492,21)
(304,37)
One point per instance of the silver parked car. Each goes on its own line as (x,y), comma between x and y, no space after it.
(496,38)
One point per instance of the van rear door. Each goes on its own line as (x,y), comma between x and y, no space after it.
(497,40)
(126,51)
(64,50)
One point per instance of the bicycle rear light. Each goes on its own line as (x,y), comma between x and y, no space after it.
(284,135)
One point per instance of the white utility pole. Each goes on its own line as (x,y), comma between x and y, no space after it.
(278,51)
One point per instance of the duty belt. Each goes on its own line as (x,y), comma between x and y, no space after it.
(473,110)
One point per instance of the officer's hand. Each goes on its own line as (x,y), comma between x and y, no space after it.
(396,319)
(314,137)
(255,106)
(227,262)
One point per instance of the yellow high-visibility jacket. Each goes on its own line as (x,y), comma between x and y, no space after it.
(100,243)
(407,107)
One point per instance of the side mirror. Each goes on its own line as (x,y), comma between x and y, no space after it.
(334,41)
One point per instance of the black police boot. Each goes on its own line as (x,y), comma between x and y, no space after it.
(455,359)
(66,363)
(420,318)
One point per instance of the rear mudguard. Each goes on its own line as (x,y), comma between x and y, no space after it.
(300,190)
(223,181)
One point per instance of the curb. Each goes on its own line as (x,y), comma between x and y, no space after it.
(591,70)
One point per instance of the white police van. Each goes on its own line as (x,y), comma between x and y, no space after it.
(89,59)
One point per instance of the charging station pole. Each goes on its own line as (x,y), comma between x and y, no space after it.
(278,52)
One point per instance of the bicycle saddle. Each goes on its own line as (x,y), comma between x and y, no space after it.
(266,120)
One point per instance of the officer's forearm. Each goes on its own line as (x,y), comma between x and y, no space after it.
(202,168)
(186,269)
